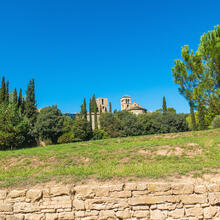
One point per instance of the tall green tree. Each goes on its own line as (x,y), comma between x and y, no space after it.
(20,99)
(30,103)
(7,93)
(186,73)
(15,97)
(49,124)
(90,113)
(110,107)
(164,105)
(2,91)
(209,49)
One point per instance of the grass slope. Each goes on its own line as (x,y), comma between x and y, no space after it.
(150,156)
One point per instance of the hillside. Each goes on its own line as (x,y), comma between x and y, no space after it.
(153,156)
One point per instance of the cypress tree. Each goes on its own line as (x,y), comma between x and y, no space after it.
(15,97)
(2,91)
(95,115)
(90,113)
(110,107)
(7,93)
(30,102)
(94,107)
(164,105)
(20,98)
(84,109)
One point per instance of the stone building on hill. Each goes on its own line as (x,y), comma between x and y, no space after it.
(102,104)
(131,107)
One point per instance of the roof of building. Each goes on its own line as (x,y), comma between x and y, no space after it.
(125,96)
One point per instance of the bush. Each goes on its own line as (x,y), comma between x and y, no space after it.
(81,129)
(110,124)
(66,138)
(99,134)
(49,124)
(216,122)
(130,124)
(163,123)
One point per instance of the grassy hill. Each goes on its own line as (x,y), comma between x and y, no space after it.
(150,156)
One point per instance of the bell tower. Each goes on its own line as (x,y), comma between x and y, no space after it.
(125,102)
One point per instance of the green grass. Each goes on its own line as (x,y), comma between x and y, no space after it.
(132,157)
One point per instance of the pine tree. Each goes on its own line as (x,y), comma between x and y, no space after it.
(110,107)
(7,93)
(2,91)
(20,98)
(164,105)
(15,97)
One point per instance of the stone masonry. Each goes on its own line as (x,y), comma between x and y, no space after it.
(113,201)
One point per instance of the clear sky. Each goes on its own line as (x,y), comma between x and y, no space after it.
(74,48)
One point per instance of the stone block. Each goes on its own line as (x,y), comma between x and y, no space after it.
(122,194)
(159,187)
(194,212)
(66,216)
(200,189)
(107,214)
(214,198)
(34,194)
(59,191)
(141,214)
(209,212)
(17,193)
(193,199)
(179,188)
(5,207)
(158,215)
(3,194)
(78,204)
(125,214)
(177,213)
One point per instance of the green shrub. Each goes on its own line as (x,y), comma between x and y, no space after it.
(216,122)
(66,138)
(99,134)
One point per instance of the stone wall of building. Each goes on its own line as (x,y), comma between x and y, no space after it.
(113,201)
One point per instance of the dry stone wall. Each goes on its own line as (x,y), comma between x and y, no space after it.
(119,201)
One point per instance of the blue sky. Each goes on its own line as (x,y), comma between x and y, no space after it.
(109,47)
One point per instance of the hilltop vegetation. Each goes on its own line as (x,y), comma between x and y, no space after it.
(150,156)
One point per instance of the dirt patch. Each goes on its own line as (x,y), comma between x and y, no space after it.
(192,144)
(167,150)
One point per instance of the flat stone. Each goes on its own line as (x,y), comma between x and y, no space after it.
(34,194)
(141,214)
(209,212)
(200,189)
(179,188)
(177,213)
(17,193)
(78,204)
(193,199)
(159,187)
(124,214)
(59,191)
(158,215)
(194,212)
(3,194)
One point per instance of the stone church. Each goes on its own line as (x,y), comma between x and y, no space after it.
(102,105)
